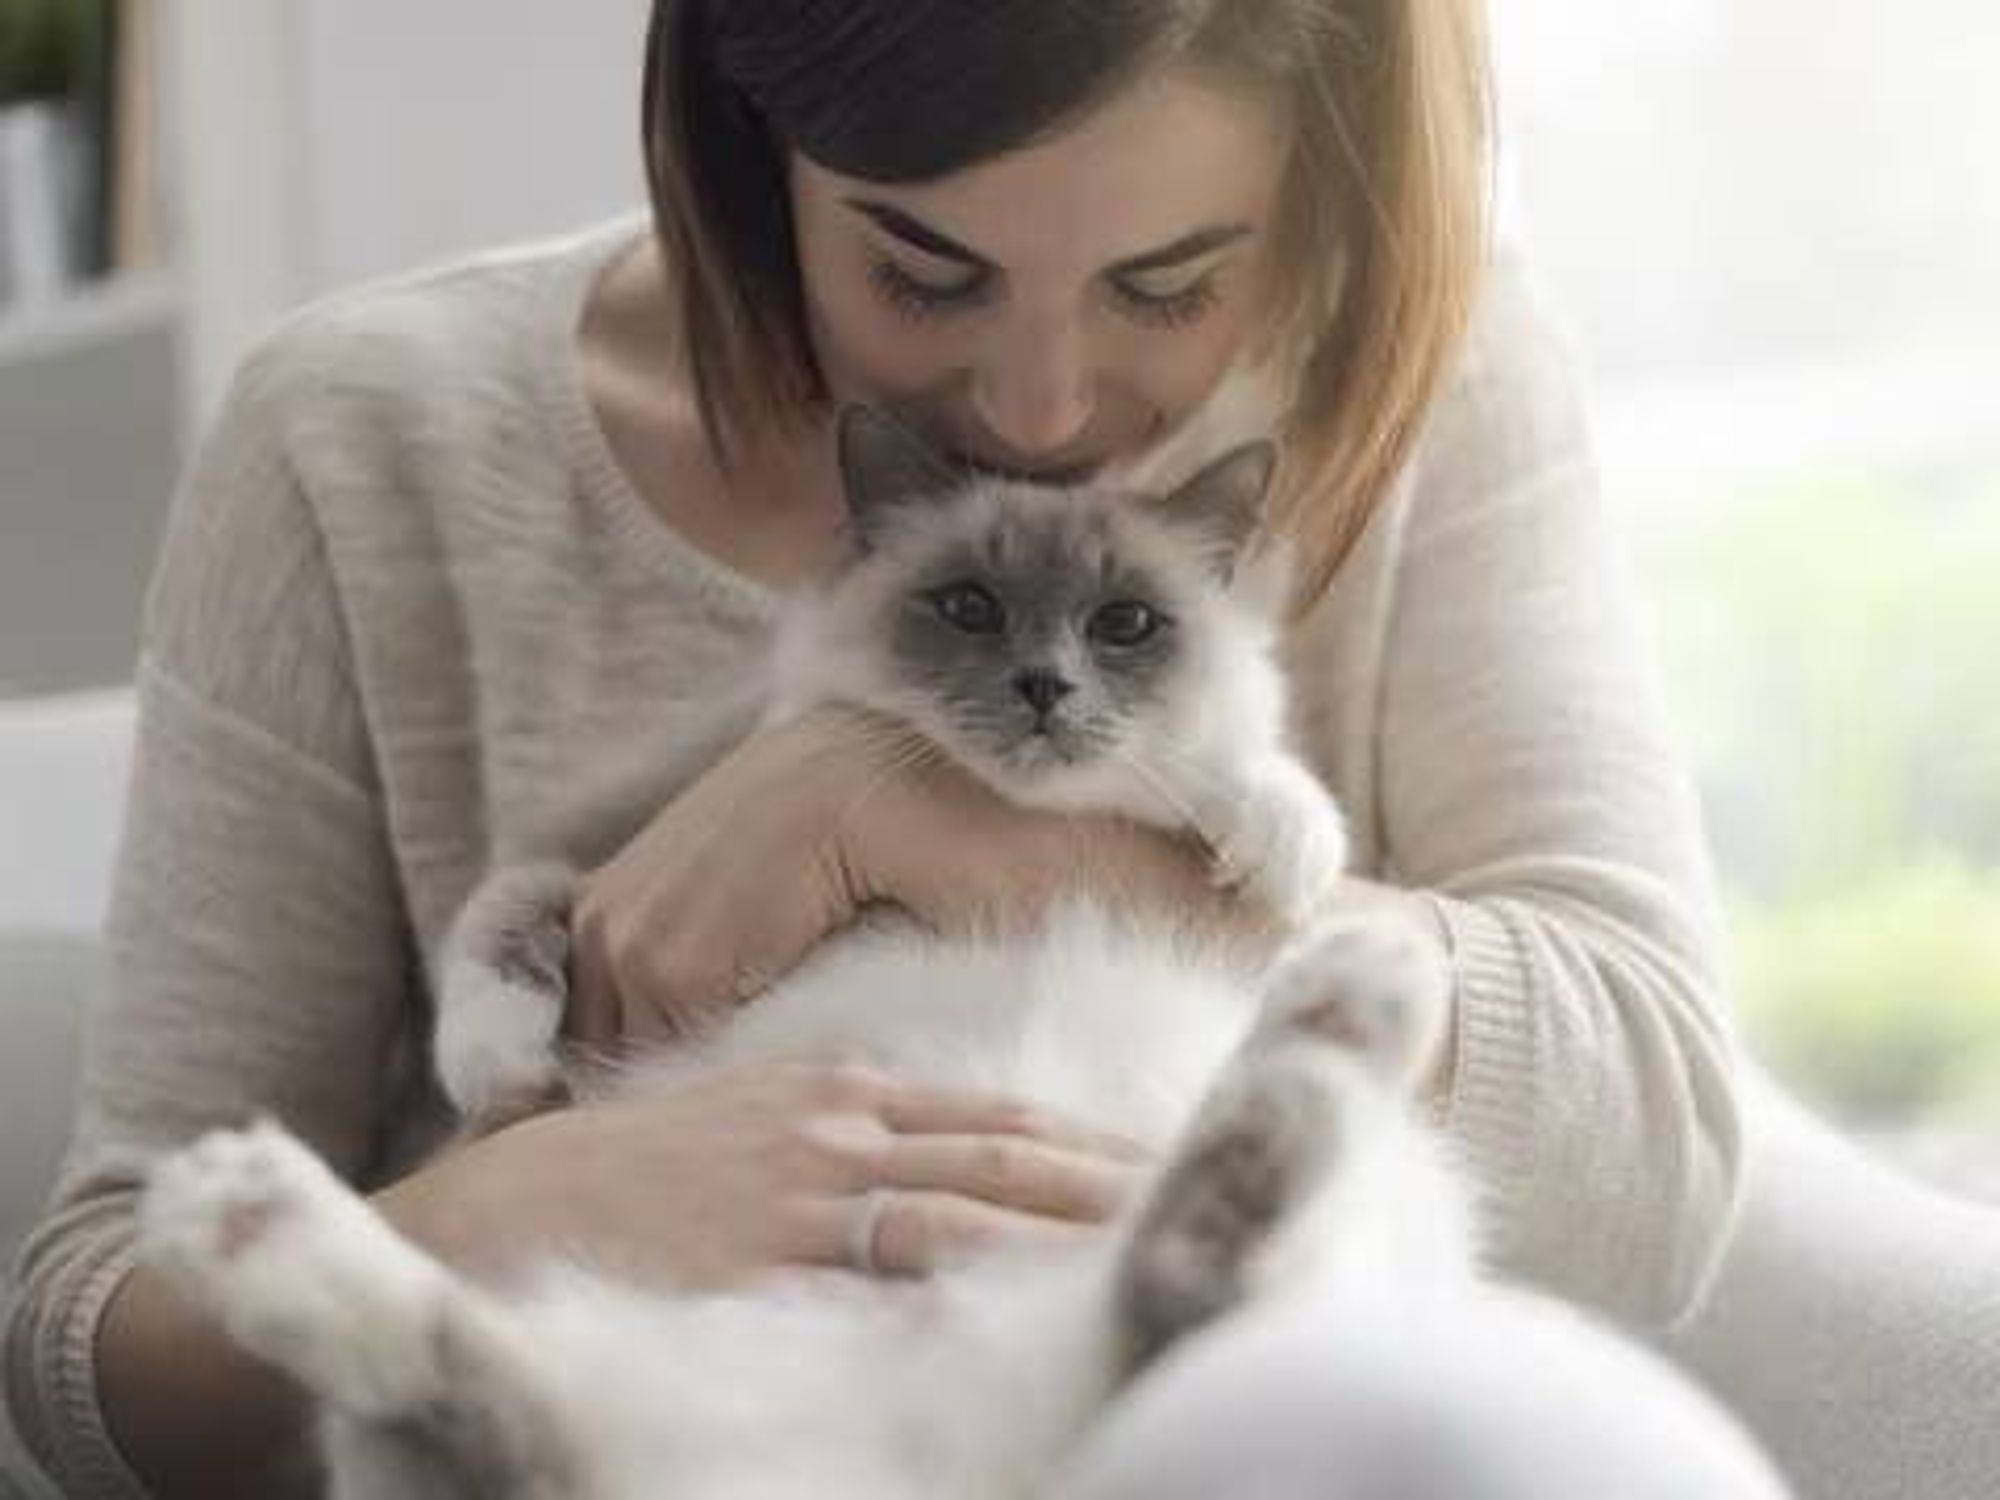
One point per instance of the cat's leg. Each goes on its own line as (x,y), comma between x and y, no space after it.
(1324,1076)
(504,988)
(418,1367)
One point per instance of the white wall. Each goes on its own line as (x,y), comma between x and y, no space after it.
(323,141)
(442,126)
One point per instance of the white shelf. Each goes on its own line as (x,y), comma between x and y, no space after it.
(134,303)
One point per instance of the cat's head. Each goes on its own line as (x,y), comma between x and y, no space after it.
(1040,634)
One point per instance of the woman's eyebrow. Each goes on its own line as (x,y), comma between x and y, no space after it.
(914,232)
(1188,247)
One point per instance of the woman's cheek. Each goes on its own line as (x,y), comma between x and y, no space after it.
(869,350)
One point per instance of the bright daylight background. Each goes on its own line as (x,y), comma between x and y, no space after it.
(1774,227)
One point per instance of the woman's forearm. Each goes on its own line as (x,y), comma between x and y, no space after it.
(194,1417)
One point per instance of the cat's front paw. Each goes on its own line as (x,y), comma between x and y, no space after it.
(497,1057)
(497,1042)
(1283,842)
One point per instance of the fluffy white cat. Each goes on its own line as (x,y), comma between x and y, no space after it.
(1077,650)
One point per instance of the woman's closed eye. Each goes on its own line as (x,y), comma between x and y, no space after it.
(1155,299)
(927,296)
(1166,300)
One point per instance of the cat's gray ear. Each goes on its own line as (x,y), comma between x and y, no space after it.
(1222,504)
(885,467)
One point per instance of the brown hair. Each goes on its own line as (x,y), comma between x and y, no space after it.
(1386,201)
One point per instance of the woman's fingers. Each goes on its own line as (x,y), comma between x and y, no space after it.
(916,1177)
(914,1109)
(916,1233)
(1013,1172)
(913,1233)
(592,1016)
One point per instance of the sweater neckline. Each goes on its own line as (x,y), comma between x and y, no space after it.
(599,476)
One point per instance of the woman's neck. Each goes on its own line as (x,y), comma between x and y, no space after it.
(775,514)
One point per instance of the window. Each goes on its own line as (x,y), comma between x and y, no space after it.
(1774,228)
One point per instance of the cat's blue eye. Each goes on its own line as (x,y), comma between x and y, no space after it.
(971,608)
(1124,623)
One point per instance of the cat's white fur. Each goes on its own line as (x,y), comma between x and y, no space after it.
(820,1385)
(973,1382)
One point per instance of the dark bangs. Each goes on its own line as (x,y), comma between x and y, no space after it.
(905,90)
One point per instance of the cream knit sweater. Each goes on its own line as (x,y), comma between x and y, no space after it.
(406,585)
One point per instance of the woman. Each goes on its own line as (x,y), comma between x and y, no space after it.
(454,539)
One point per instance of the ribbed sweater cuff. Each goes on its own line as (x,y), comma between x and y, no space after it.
(87,1461)
(1489,1105)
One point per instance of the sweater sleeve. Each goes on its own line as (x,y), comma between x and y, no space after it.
(1528,785)
(257,957)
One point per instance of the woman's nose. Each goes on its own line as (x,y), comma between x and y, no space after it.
(1035,393)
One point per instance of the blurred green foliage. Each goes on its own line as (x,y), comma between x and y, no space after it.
(49,49)
(1833,647)
(1884,998)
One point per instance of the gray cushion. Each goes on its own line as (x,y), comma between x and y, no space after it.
(63,767)
(1856,1320)
(44,978)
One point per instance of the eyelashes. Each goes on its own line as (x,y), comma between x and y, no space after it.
(919,300)
(1176,309)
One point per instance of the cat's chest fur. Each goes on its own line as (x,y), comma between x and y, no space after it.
(1112,1019)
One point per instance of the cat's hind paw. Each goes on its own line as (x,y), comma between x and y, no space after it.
(1371,985)
(255,1230)
(217,1204)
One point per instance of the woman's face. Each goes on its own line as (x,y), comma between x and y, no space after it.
(1061,305)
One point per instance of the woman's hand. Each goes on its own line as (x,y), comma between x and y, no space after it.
(783,842)
(748,1168)
(725,889)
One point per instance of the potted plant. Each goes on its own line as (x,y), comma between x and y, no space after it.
(51,65)
(39,44)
